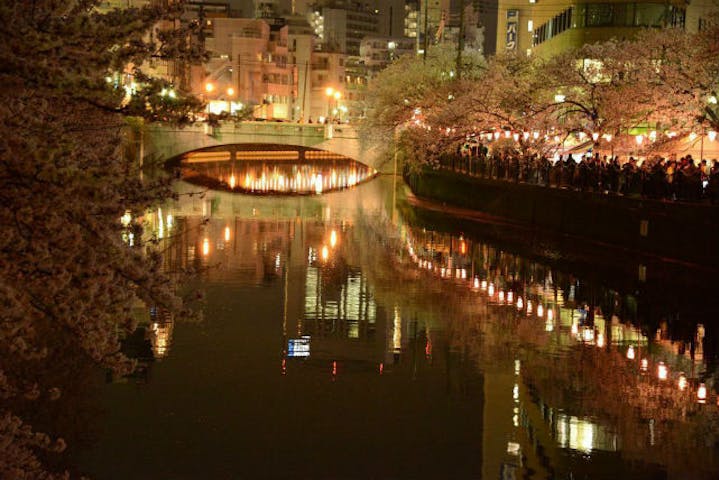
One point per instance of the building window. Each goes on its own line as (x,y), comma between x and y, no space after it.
(599,15)
(628,14)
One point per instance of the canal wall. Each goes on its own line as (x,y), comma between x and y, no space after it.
(680,231)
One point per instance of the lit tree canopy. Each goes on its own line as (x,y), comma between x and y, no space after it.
(663,81)
(413,83)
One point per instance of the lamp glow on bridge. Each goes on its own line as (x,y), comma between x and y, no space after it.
(332,94)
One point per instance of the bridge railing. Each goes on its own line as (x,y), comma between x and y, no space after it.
(287,129)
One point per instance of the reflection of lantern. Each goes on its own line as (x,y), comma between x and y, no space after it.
(476,282)
(227,234)
(540,310)
(549,325)
(206,246)
(520,303)
(662,371)
(645,364)
(491,290)
(630,352)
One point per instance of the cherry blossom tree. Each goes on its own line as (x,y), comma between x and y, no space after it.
(65,272)
(412,85)
(657,81)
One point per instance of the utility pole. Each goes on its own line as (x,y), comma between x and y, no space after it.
(460,39)
(304,92)
(426,30)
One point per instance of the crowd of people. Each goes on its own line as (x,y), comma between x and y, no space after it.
(682,179)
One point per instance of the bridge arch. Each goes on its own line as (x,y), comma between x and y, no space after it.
(167,142)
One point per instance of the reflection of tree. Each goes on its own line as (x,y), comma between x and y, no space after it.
(585,381)
(65,410)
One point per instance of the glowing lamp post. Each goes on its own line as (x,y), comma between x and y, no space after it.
(332,93)
(230,94)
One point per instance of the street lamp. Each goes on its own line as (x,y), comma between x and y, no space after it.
(328,91)
(230,94)
(332,93)
(337,96)
(209,88)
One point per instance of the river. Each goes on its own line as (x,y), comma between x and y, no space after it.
(354,335)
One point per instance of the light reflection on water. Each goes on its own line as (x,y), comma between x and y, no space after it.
(302,171)
(337,325)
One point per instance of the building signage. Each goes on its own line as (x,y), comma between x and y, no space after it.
(512,24)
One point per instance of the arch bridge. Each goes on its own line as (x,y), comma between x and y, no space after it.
(165,142)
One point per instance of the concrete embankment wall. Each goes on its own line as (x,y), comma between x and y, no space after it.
(687,232)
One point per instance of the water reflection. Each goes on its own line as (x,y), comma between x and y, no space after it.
(600,364)
(332,321)
(558,303)
(256,169)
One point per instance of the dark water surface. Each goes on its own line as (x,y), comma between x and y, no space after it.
(345,338)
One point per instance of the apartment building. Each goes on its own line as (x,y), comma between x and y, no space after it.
(546,27)
(250,66)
